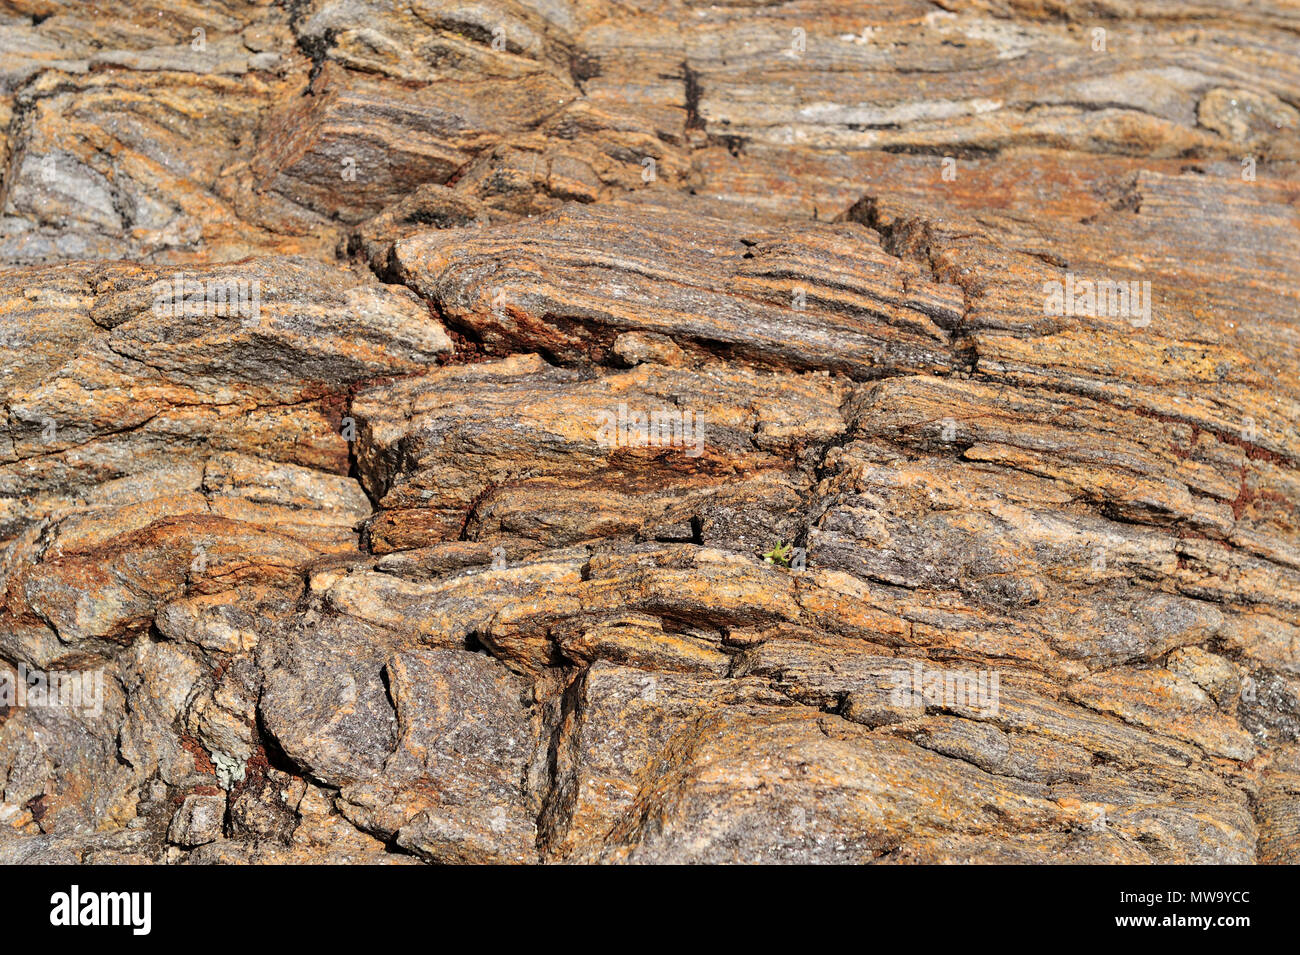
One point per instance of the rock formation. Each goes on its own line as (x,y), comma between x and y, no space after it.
(650,431)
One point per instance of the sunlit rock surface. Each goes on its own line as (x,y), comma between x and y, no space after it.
(649,432)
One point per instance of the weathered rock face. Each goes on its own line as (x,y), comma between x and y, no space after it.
(649,432)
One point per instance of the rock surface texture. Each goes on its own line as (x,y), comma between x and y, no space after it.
(650,431)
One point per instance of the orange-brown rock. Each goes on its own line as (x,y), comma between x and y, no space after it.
(649,432)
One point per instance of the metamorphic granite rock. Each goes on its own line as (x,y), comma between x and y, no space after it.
(649,431)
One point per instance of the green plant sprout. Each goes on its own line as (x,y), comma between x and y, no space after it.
(780,554)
